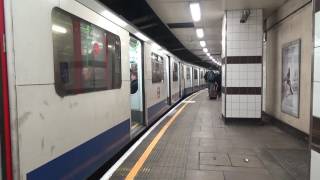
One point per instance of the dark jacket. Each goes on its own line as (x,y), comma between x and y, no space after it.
(134,86)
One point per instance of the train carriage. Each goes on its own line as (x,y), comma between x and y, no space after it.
(156,80)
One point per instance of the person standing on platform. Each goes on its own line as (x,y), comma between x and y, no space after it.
(210,79)
(218,83)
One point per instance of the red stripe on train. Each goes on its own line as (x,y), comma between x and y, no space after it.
(5,94)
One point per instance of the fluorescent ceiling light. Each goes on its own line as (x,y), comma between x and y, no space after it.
(202,43)
(109,15)
(195,11)
(59,29)
(205,50)
(141,36)
(199,32)
(208,54)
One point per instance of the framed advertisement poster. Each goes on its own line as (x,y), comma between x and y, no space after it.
(290,86)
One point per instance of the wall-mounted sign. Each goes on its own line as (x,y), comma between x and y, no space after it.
(290,88)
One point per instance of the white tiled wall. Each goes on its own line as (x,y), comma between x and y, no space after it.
(316,82)
(316,70)
(244,75)
(315,156)
(244,39)
(223,34)
(317,29)
(223,68)
(243,106)
(315,161)
(316,99)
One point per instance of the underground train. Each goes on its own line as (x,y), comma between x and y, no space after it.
(78,84)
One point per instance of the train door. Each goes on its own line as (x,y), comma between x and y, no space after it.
(168,76)
(192,78)
(5,138)
(181,80)
(136,85)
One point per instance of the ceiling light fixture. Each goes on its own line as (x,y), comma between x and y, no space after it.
(202,43)
(205,50)
(208,54)
(195,11)
(199,32)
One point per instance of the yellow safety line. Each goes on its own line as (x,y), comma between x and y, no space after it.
(137,166)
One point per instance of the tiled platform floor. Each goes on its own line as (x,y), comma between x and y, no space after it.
(199,146)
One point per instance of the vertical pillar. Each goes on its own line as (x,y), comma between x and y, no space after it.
(242,65)
(315,123)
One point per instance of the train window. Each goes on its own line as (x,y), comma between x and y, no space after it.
(175,72)
(157,68)
(86,57)
(182,72)
(195,72)
(188,73)
(201,74)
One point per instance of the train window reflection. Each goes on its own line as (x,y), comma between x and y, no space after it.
(195,72)
(188,73)
(157,68)
(175,72)
(87,57)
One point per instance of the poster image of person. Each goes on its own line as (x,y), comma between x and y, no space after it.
(290,88)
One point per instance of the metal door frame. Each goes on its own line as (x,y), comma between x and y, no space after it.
(144,122)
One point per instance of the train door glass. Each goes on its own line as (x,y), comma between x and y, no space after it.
(136,86)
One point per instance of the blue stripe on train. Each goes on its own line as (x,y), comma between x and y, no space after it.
(82,161)
(188,91)
(155,111)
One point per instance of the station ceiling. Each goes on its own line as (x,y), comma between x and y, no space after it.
(170,24)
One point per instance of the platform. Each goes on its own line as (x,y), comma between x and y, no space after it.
(198,145)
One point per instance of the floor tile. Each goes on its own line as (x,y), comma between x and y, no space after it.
(246,176)
(204,175)
(245,161)
(217,159)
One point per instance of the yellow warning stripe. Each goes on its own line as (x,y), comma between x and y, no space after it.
(137,166)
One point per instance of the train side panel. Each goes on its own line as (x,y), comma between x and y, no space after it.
(78,132)
(156,93)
